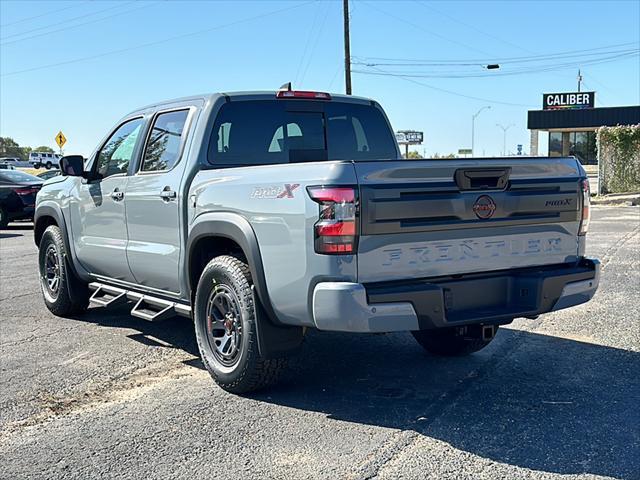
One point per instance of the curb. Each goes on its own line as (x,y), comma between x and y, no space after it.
(628,200)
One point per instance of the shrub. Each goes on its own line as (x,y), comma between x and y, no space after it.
(619,158)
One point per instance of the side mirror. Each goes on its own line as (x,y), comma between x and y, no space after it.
(72,165)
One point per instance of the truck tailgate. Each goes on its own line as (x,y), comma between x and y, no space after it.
(431,218)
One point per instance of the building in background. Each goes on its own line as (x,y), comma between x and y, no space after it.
(572,120)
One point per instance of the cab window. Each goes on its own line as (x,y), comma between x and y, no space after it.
(116,154)
(270,132)
(163,145)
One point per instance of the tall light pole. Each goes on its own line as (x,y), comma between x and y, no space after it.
(347,47)
(473,128)
(504,138)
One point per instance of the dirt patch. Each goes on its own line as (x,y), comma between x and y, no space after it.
(121,390)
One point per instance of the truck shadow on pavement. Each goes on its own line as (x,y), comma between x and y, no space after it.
(14,230)
(176,332)
(535,401)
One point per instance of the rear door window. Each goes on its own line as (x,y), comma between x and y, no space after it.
(164,144)
(271,132)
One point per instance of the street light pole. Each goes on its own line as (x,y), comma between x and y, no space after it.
(504,138)
(473,128)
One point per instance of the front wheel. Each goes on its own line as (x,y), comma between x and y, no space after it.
(64,293)
(225,324)
(457,341)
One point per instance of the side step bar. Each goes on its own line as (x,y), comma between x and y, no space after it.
(104,296)
(146,307)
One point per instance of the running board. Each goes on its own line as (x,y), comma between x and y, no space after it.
(106,296)
(146,307)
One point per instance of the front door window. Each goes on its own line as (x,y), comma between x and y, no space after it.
(115,156)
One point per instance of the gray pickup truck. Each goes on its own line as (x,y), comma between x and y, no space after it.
(260,215)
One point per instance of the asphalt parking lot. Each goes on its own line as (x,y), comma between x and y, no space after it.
(108,395)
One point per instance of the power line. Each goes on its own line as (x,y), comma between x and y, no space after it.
(306,44)
(420,27)
(315,43)
(451,92)
(521,71)
(483,61)
(68,20)
(472,27)
(157,42)
(576,57)
(57,10)
(81,24)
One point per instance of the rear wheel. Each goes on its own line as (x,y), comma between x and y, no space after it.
(225,324)
(4,219)
(457,341)
(49,165)
(64,293)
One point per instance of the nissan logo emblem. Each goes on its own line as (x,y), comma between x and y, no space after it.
(484,207)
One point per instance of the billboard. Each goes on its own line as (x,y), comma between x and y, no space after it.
(409,137)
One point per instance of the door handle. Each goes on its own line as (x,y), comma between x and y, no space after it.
(167,194)
(117,195)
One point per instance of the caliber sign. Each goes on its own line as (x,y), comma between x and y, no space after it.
(568,101)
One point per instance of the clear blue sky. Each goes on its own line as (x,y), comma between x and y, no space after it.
(199,46)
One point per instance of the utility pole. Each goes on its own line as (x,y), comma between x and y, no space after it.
(579,79)
(504,138)
(473,128)
(347,47)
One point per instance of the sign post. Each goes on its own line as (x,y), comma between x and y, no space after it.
(61,140)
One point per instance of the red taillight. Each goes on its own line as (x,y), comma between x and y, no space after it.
(586,207)
(303,94)
(26,191)
(336,230)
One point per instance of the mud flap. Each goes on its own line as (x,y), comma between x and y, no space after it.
(275,341)
(78,290)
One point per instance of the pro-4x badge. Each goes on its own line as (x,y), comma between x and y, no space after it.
(275,191)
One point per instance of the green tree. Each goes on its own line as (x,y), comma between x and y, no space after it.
(10,148)
(43,149)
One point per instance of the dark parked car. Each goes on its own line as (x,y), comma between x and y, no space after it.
(47,174)
(18,192)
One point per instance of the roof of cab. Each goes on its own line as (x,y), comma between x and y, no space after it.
(248,95)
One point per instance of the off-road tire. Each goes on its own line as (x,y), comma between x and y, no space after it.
(250,371)
(49,165)
(444,342)
(72,295)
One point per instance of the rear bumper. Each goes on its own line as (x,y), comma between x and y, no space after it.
(491,298)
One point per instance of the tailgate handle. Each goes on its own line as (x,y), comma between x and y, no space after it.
(482,178)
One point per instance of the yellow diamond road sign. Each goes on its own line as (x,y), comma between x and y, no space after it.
(61,139)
